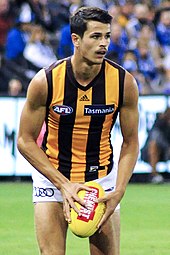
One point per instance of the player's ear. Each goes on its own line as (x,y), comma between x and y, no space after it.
(75,39)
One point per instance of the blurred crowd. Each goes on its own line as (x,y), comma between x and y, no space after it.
(35,33)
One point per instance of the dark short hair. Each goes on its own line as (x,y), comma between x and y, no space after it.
(79,19)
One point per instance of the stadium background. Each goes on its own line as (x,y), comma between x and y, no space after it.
(145,209)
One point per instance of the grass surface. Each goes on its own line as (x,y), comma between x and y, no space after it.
(145,221)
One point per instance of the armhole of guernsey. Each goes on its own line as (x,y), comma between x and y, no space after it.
(121,86)
(48,73)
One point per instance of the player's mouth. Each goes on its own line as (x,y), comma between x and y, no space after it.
(101,52)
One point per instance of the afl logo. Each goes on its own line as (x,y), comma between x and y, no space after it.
(62,109)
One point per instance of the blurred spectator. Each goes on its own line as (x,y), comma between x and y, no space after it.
(36,10)
(75,4)
(65,45)
(60,12)
(103,4)
(163,31)
(6,21)
(126,12)
(114,11)
(147,66)
(118,43)
(157,146)
(134,25)
(130,64)
(17,38)
(13,62)
(164,5)
(148,35)
(15,88)
(38,50)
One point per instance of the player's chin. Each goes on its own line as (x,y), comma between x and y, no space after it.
(98,61)
(99,58)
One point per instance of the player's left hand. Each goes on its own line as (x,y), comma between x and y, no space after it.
(111,200)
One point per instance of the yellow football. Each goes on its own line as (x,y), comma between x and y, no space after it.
(86,224)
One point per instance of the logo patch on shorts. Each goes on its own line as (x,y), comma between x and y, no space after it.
(63,109)
(43,192)
(98,110)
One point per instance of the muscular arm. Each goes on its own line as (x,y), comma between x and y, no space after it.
(32,118)
(129,128)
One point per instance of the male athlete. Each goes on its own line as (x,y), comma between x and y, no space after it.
(79,99)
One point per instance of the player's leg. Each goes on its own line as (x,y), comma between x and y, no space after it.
(107,242)
(51,228)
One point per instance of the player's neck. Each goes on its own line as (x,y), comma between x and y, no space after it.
(83,72)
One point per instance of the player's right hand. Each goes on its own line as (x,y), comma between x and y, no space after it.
(69,193)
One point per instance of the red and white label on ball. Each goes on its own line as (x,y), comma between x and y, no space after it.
(89,199)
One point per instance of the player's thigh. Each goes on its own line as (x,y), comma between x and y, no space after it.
(107,242)
(51,228)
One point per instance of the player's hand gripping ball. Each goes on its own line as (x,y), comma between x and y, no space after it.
(86,224)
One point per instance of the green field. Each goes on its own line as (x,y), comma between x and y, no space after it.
(145,221)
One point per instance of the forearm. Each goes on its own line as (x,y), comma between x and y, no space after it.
(127,161)
(38,159)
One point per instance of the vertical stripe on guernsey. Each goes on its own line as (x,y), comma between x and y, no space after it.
(80,138)
(95,130)
(79,120)
(111,88)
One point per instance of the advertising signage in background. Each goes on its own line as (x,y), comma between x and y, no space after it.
(13,164)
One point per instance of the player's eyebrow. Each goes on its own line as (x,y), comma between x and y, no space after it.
(99,33)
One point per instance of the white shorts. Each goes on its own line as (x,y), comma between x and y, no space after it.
(45,191)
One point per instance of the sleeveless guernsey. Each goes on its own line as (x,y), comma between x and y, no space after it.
(79,120)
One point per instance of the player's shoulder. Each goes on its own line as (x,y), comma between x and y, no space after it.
(37,89)
(114,64)
(40,80)
(56,64)
(131,91)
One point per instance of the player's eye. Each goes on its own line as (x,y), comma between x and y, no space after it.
(95,36)
(107,36)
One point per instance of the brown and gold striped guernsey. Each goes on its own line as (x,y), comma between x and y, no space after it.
(79,120)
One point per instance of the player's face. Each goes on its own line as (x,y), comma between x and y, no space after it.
(95,41)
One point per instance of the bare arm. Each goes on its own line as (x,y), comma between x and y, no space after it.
(130,145)
(32,118)
(129,128)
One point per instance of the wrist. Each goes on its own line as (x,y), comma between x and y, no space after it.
(120,191)
(59,180)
